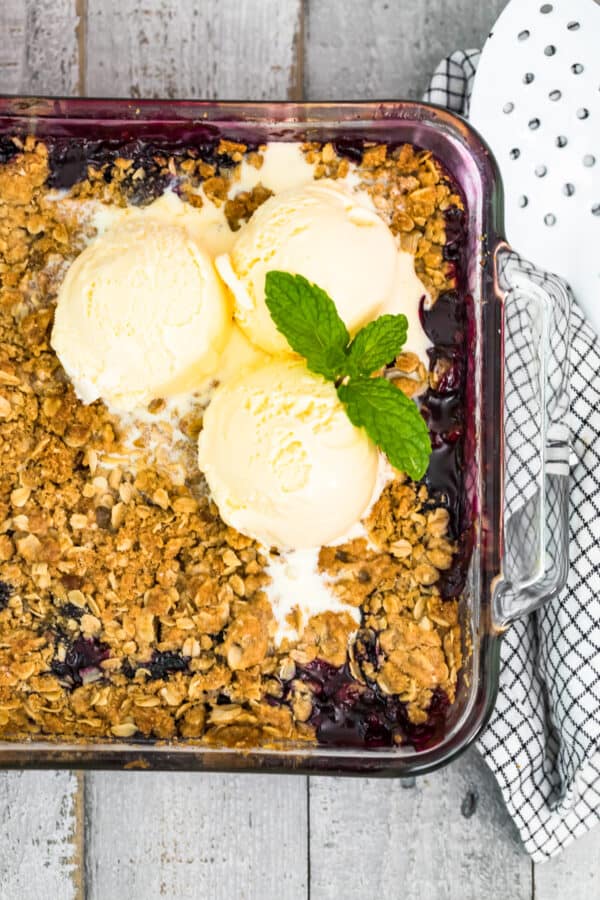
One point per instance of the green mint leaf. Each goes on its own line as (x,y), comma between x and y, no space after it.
(391,420)
(307,317)
(376,344)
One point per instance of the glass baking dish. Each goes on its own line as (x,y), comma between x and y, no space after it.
(520,549)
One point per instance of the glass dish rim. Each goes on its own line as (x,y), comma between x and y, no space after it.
(359,115)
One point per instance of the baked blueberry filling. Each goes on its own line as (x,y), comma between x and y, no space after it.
(5,592)
(82,657)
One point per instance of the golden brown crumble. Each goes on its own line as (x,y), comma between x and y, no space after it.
(128,607)
(240,208)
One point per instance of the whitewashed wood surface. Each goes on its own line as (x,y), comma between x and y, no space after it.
(145,836)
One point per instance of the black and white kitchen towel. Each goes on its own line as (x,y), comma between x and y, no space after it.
(543,740)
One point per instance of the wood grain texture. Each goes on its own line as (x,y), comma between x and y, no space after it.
(574,875)
(38,47)
(386,49)
(446,838)
(38,836)
(12,45)
(199,836)
(38,823)
(210,837)
(218,48)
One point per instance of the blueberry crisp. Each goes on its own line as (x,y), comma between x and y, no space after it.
(136,602)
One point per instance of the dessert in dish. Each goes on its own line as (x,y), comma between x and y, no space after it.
(197,541)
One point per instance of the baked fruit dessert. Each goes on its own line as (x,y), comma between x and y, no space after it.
(232,393)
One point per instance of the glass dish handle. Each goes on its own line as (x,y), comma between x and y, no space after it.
(536,436)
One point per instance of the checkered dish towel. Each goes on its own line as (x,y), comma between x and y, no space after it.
(543,740)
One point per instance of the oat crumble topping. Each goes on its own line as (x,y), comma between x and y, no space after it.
(128,609)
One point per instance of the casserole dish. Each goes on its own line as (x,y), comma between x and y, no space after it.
(519,537)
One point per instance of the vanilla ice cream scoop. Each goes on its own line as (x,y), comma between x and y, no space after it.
(283,461)
(320,231)
(140,314)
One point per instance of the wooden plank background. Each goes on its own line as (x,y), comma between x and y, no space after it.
(145,836)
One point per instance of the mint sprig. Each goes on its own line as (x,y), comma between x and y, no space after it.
(376,344)
(309,320)
(307,317)
(391,420)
